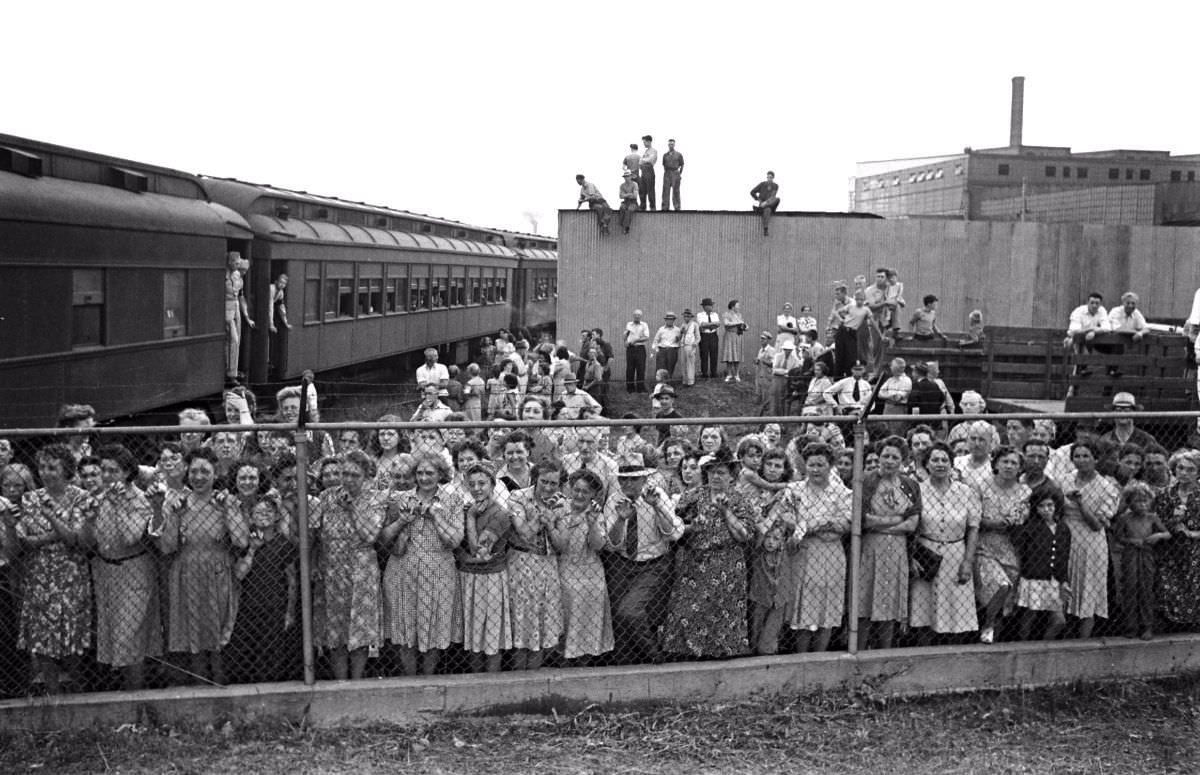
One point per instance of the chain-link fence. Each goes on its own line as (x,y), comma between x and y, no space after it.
(149,557)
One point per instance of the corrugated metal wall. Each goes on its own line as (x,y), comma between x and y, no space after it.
(1019,274)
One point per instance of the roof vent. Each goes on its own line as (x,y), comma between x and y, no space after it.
(130,180)
(460,233)
(282,211)
(322,214)
(427,228)
(20,162)
(382,222)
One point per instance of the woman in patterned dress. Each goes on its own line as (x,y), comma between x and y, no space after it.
(1091,503)
(391,449)
(125,573)
(349,518)
(818,511)
(578,535)
(731,345)
(706,611)
(534,587)
(56,612)
(1178,507)
(891,510)
(420,582)
(198,527)
(1005,503)
(481,614)
(949,525)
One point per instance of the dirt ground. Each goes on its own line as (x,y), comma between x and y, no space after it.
(1125,727)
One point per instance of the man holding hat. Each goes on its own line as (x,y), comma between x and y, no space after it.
(646,173)
(666,345)
(629,200)
(672,175)
(1124,431)
(640,525)
(710,326)
(690,338)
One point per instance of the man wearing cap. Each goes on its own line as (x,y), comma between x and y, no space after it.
(1127,318)
(595,202)
(762,372)
(785,360)
(690,346)
(924,320)
(640,524)
(637,334)
(629,200)
(672,174)
(433,373)
(666,345)
(633,159)
(574,401)
(766,200)
(848,395)
(710,326)
(646,173)
(1124,431)
(666,411)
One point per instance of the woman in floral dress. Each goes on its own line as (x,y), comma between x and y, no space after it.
(706,612)
(349,518)
(535,590)
(56,612)
(420,582)
(891,510)
(1005,502)
(198,527)
(1091,503)
(578,535)
(1178,507)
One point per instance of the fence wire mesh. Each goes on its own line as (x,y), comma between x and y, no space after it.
(153,557)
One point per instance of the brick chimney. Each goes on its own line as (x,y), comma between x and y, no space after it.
(1017,115)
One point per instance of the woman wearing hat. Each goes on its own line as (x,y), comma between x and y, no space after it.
(706,612)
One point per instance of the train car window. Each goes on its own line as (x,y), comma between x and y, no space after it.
(476,285)
(441,287)
(501,285)
(339,292)
(458,286)
(174,304)
(87,307)
(418,291)
(312,292)
(489,287)
(370,289)
(395,289)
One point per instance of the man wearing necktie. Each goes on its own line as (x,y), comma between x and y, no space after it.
(710,326)
(641,525)
(847,396)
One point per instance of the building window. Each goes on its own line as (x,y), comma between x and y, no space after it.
(1176,176)
(1114,173)
(1143,174)
(1002,169)
(1066,172)
(1129,174)
(174,304)
(1051,170)
(958,169)
(1191,176)
(1081,173)
(87,308)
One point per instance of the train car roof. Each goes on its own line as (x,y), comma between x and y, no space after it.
(71,202)
(300,229)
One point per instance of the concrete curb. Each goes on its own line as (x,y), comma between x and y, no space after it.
(894,672)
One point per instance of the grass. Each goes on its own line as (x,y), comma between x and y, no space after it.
(1128,726)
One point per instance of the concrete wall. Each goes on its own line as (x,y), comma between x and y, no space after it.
(407,700)
(1019,274)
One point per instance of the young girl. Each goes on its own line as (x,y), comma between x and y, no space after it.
(768,597)
(974,330)
(1043,546)
(482,614)
(473,394)
(1137,530)
(495,393)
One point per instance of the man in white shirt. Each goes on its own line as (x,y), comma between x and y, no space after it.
(710,327)
(690,347)
(894,393)
(1127,318)
(433,373)
(848,395)
(575,401)
(666,345)
(1086,321)
(589,456)
(646,174)
(637,334)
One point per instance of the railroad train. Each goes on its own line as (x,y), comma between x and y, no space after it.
(112,282)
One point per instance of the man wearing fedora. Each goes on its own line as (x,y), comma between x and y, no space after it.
(640,525)
(629,200)
(1124,431)
(666,345)
(710,327)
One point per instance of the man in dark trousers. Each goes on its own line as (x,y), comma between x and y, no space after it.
(672,174)
(766,199)
(633,160)
(629,200)
(646,173)
(595,202)
(710,326)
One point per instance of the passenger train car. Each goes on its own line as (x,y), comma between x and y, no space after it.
(112,282)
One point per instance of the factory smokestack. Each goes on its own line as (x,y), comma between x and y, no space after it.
(1017,116)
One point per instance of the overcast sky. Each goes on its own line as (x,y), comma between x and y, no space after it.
(484,111)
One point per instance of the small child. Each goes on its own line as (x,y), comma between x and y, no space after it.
(473,394)
(767,595)
(455,389)
(495,391)
(661,380)
(975,333)
(1137,529)
(806,323)
(895,301)
(1043,546)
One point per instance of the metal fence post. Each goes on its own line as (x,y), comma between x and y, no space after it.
(860,441)
(306,632)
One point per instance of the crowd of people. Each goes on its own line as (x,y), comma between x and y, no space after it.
(577,545)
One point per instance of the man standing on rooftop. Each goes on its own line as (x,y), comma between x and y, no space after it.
(646,173)
(672,174)
(633,160)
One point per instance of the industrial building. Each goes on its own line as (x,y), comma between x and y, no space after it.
(1034,183)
